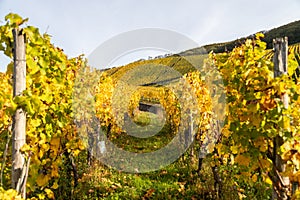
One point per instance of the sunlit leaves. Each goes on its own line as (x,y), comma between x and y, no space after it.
(15,20)
(256,114)
(47,102)
(9,194)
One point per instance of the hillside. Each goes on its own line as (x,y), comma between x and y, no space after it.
(193,58)
(180,64)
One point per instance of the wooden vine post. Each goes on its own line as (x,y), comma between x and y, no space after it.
(19,118)
(281,184)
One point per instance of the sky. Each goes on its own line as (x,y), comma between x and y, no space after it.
(79,27)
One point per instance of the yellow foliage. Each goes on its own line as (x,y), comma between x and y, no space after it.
(42,180)
(55,141)
(255,120)
(54,171)
(225,131)
(254,178)
(234,149)
(265,164)
(242,160)
(261,143)
(268,181)
(49,193)
(9,194)
(55,185)
(296,196)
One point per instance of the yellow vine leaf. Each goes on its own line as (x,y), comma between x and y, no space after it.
(234,149)
(226,132)
(55,141)
(55,185)
(42,180)
(49,193)
(261,143)
(254,178)
(54,171)
(268,181)
(242,160)
(41,196)
(255,120)
(41,153)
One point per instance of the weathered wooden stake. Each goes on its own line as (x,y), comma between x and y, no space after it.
(280,183)
(19,118)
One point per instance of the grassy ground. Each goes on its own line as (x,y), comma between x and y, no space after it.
(176,181)
(179,180)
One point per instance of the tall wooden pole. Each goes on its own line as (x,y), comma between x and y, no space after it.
(19,118)
(280,183)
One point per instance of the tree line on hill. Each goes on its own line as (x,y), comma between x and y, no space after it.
(291,30)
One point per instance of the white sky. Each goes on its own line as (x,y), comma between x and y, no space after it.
(79,26)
